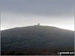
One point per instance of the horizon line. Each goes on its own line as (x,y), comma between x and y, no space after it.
(35,25)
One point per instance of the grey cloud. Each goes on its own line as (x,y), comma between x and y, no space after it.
(39,7)
(36,10)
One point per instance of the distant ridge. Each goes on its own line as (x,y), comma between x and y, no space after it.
(36,40)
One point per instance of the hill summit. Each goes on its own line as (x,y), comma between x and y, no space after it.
(36,40)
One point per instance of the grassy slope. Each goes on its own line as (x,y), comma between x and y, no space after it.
(36,40)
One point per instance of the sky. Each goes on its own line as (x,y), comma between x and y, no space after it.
(20,13)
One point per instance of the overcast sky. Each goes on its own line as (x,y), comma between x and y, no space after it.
(18,13)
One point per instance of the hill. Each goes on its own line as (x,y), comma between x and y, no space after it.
(36,40)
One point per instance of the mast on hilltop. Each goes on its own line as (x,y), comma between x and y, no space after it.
(38,24)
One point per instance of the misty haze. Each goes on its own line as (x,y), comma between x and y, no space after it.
(37,27)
